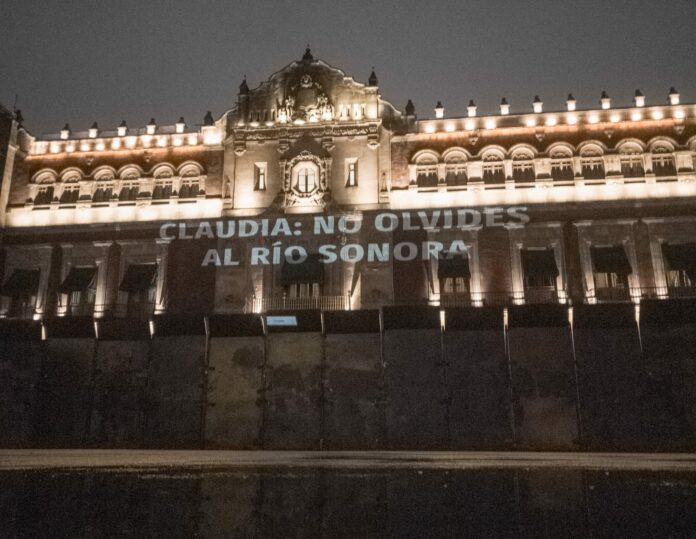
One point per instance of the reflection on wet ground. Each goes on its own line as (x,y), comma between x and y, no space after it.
(333,503)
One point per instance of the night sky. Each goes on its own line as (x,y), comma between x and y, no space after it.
(81,61)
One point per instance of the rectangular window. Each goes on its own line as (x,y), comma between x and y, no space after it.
(260,177)
(352,174)
(455,285)
(70,194)
(426,176)
(493,172)
(611,270)
(44,195)
(593,168)
(163,189)
(562,170)
(663,165)
(523,171)
(632,167)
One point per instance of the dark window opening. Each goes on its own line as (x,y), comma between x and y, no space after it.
(611,270)
(540,275)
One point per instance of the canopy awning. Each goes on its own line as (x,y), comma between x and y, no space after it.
(680,256)
(539,262)
(22,283)
(78,279)
(138,277)
(610,260)
(310,270)
(452,268)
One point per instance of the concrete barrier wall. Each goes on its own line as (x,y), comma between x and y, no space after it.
(477,382)
(176,384)
(668,333)
(119,400)
(235,382)
(541,357)
(609,375)
(351,383)
(293,390)
(353,410)
(414,374)
(64,394)
(21,356)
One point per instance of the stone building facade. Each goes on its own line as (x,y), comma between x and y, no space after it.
(511,280)
(607,194)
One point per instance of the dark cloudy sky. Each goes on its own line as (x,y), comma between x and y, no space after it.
(81,61)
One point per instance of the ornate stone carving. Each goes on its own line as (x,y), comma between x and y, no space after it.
(309,197)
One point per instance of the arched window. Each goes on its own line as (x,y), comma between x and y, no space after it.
(426,171)
(523,168)
(592,164)
(562,166)
(44,195)
(455,169)
(45,190)
(493,169)
(306,180)
(631,157)
(663,162)
(104,186)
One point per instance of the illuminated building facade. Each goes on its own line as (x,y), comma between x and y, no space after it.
(609,193)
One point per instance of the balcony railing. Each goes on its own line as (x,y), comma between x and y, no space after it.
(615,295)
(663,292)
(23,312)
(286,303)
(80,309)
(140,309)
(538,294)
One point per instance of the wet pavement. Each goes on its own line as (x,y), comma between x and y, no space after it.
(312,494)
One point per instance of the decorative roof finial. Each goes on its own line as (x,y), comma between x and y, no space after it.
(571,103)
(673,96)
(244,87)
(439,110)
(307,57)
(504,107)
(372,80)
(537,104)
(151,127)
(639,99)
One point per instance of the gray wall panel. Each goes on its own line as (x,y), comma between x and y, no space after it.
(233,417)
(293,369)
(352,382)
(544,387)
(416,393)
(478,389)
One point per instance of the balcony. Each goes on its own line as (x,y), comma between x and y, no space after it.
(133,309)
(286,303)
(538,294)
(85,308)
(613,295)
(664,292)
